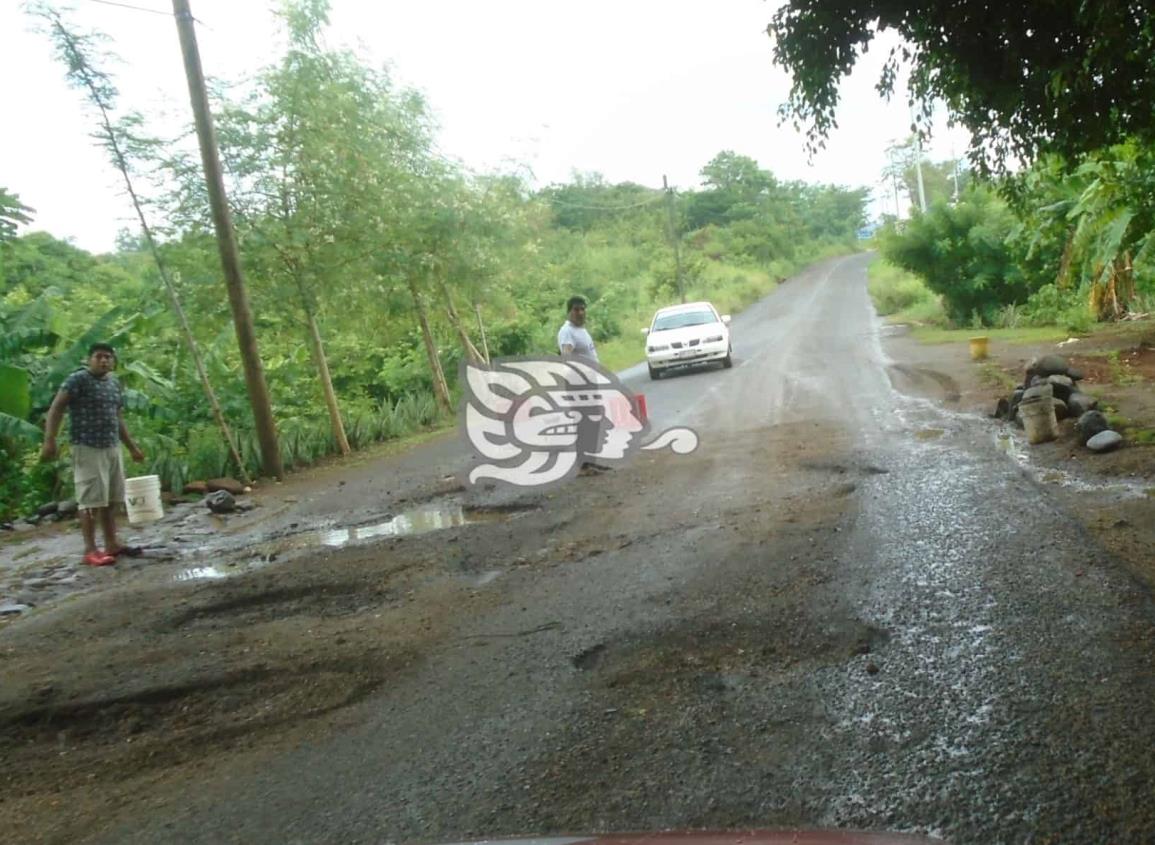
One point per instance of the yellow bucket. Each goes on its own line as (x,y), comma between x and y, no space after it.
(979,348)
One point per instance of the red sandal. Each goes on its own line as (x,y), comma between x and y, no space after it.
(98,559)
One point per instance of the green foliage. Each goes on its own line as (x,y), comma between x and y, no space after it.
(348,217)
(961,253)
(13,213)
(938,178)
(1024,78)
(894,290)
(1052,306)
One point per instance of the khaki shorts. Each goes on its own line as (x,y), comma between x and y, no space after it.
(99,476)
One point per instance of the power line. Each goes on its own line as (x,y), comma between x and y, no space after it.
(143,9)
(130,6)
(650,201)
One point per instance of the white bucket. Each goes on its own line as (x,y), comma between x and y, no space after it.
(1039,419)
(142,498)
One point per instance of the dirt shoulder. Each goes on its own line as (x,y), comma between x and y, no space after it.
(1113,493)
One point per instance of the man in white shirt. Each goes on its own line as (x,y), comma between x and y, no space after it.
(573,339)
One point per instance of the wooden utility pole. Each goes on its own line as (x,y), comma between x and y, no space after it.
(675,241)
(227,244)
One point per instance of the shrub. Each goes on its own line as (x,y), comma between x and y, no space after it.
(962,253)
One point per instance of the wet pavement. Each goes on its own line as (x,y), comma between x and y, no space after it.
(850,608)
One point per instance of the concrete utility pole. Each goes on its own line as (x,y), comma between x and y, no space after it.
(674,239)
(954,163)
(894,179)
(227,244)
(918,170)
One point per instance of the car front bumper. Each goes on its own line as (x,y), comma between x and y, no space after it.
(670,358)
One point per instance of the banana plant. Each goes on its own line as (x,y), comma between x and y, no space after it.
(1112,226)
(35,360)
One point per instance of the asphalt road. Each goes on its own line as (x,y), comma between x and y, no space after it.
(810,352)
(848,609)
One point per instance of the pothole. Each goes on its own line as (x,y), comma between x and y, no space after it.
(162,725)
(263,605)
(689,653)
(420,520)
(589,658)
(423,519)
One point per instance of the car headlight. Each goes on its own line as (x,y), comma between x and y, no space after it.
(713,339)
(661,348)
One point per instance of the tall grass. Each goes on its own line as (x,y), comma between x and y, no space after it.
(303,441)
(902,296)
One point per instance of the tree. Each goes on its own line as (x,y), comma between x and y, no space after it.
(736,174)
(938,178)
(1025,78)
(961,252)
(588,200)
(736,188)
(1111,219)
(12,214)
(323,155)
(124,143)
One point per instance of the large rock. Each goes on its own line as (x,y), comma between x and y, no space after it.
(66,508)
(46,509)
(1074,374)
(229,485)
(1090,424)
(198,487)
(221,501)
(1080,403)
(1048,365)
(1105,441)
(1061,411)
(1038,391)
(1062,385)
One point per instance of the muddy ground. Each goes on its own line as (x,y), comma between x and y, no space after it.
(851,607)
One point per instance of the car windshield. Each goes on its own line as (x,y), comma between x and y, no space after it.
(681,319)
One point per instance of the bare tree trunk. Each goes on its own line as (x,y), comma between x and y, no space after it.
(440,386)
(481,329)
(471,352)
(322,365)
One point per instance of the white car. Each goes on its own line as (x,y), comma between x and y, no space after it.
(682,335)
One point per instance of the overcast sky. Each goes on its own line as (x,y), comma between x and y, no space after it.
(628,88)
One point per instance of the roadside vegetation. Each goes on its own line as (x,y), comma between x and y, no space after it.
(1052,247)
(375,266)
(1055,227)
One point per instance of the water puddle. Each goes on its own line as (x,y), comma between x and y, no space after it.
(422,520)
(425,519)
(1015,448)
(200,573)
